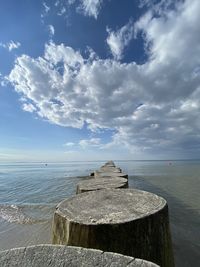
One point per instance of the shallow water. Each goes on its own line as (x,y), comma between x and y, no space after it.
(30,192)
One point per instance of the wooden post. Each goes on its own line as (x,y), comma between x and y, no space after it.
(127,221)
(109,163)
(110,169)
(101,183)
(99,174)
(52,256)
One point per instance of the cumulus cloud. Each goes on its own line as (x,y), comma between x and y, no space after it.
(152,106)
(118,40)
(10,45)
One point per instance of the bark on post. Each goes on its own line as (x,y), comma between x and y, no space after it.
(126,221)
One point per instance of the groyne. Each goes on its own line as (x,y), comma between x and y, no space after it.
(104,224)
(127,221)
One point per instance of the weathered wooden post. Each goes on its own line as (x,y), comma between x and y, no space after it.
(105,169)
(126,221)
(109,163)
(101,183)
(54,256)
(110,169)
(99,174)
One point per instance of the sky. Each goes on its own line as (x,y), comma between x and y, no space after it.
(99,80)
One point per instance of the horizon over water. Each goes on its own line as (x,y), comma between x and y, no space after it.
(30,191)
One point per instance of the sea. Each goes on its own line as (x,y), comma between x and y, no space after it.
(29,193)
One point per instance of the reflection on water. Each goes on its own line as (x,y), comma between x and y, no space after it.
(30,192)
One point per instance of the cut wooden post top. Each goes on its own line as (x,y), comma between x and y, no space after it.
(110,163)
(101,183)
(109,169)
(98,174)
(51,256)
(110,206)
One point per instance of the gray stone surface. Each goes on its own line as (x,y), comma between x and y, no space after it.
(126,221)
(101,183)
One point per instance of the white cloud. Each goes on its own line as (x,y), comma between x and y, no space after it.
(11,45)
(69,144)
(46,8)
(159,7)
(62,11)
(29,107)
(51,30)
(90,8)
(149,106)
(117,41)
(93,142)
(62,7)
(3,81)
(45,12)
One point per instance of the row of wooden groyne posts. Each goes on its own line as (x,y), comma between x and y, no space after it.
(104,224)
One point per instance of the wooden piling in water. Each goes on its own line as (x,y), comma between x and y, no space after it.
(106,169)
(109,163)
(127,221)
(99,174)
(52,256)
(101,183)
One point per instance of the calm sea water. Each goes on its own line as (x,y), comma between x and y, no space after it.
(30,192)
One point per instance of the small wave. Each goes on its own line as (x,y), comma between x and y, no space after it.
(16,214)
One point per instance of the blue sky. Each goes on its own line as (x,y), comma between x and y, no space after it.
(99,79)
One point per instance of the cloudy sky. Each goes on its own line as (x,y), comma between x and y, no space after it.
(99,79)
